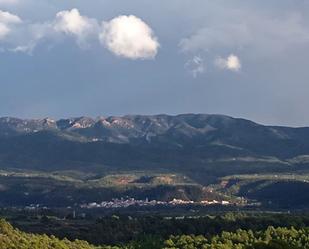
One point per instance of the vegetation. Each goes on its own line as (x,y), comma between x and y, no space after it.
(202,147)
(272,190)
(67,187)
(272,238)
(11,238)
(116,229)
(160,157)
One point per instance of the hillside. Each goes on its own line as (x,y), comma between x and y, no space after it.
(11,238)
(206,143)
(282,238)
(160,157)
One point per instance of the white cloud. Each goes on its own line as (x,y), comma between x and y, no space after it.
(25,36)
(4,31)
(6,17)
(7,21)
(72,22)
(232,63)
(125,36)
(196,66)
(66,23)
(130,37)
(28,48)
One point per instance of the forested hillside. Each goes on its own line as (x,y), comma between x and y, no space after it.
(279,238)
(11,238)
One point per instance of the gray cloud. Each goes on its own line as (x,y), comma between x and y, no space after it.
(196,66)
(8,2)
(253,33)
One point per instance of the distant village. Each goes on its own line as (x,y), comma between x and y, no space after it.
(123,203)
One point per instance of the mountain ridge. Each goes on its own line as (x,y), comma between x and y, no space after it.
(206,143)
(109,121)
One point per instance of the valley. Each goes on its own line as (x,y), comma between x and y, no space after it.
(128,181)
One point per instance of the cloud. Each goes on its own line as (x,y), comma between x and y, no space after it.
(255,34)
(6,17)
(125,36)
(4,31)
(25,37)
(73,23)
(129,37)
(196,66)
(8,2)
(231,63)
(7,21)
(28,48)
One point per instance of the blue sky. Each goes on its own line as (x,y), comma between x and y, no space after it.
(110,57)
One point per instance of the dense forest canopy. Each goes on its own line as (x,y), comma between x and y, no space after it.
(11,238)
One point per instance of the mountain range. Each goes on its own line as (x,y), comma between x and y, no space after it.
(211,144)
(189,156)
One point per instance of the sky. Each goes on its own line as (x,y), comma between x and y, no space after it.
(242,58)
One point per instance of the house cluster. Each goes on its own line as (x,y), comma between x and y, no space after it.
(214,202)
(124,203)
